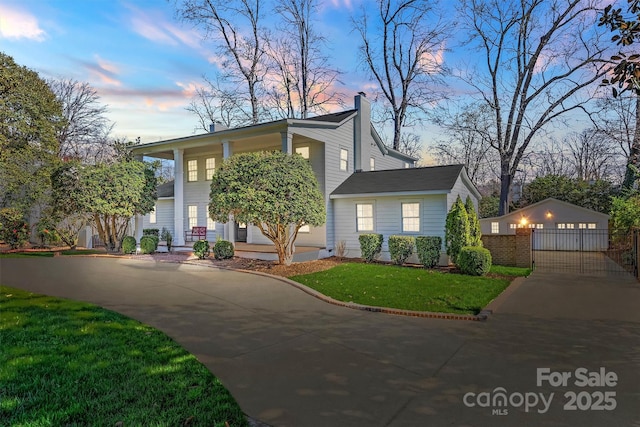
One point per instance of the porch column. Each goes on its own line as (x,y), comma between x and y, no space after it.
(287,142)
(178,198)
(230,226)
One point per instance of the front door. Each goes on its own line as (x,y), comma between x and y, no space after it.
(241,232)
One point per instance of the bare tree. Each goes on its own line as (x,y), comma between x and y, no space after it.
(213,103)
(401,52)
(86,132)
(538,58)
(235,25)
(549,156)
(304,82)
(592,157)
(470,130)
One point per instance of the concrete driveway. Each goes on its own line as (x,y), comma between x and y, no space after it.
(292,360)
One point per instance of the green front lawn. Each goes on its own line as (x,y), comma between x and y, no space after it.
(48,254)
(408,288)
(70,363)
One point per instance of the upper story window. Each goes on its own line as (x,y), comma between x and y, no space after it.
(344,159)
(410,217)
(372,164)
(192,170)
(209,168)
(364,217)
(303,151)
(406,165)
(495,227)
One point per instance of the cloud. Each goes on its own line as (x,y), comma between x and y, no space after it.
(155,27)
(17,24)
(107,72)
(339,4)
(152,99)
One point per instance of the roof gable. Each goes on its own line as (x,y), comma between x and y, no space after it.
(547,201)
(436,179)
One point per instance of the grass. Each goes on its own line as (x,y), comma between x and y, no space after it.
(48,254)
(65,363)
(408,288)
(500,270)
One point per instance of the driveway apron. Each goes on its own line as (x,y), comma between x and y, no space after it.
(292,360)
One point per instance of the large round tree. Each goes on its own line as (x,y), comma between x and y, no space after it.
(30,117)
(276,192)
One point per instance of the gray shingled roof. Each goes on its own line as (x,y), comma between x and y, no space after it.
(166,189)
(333,117)
(434,178)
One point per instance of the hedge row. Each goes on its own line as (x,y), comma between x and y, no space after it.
(402,247)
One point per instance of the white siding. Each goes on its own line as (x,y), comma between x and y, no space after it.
(197,193)
(164,216)
(460,188)
(388,220)
(386,162)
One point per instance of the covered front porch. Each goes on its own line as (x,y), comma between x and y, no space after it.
(255,251)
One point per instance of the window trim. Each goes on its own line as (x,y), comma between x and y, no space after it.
(209,171)
(402,217)
(373,217)
(496,229)
(191,173)
(189,217)
(344,162)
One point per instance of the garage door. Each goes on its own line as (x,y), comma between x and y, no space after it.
(571,240)
(583,251)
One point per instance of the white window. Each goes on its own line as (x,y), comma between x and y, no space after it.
(582,225)
(192,211)
(512,226)
(591,226)
(152,215)
(561,226)
(495,227)
(406,165)
(303,151)
(211,224)
(570,226)
(410,217)
(192,170)
(372,164)
(364,217)
(304,229)
(344,159)
(539,226)
(209,168)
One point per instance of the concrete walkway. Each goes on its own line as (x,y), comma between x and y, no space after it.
(292,360)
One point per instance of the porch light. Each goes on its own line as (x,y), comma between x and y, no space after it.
(523,221)
(549,214)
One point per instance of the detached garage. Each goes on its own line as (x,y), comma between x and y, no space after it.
(558,226)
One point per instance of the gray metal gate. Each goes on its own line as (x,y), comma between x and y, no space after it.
(585,251)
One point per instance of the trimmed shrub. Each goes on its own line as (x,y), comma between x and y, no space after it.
(148,244)
(128,245)
(201,249)
(223,249)
(370,246)
(457,230)
(47,232)
(474,261)
(428,250)
(14,230)
(151,232)
(401,248)
(167,237)
(475,235)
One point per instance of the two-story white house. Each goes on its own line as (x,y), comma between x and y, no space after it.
(342,148)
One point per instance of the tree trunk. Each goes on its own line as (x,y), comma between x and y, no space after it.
(634,154)
(505,187)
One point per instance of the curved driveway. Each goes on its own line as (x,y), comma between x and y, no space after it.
(292,360)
